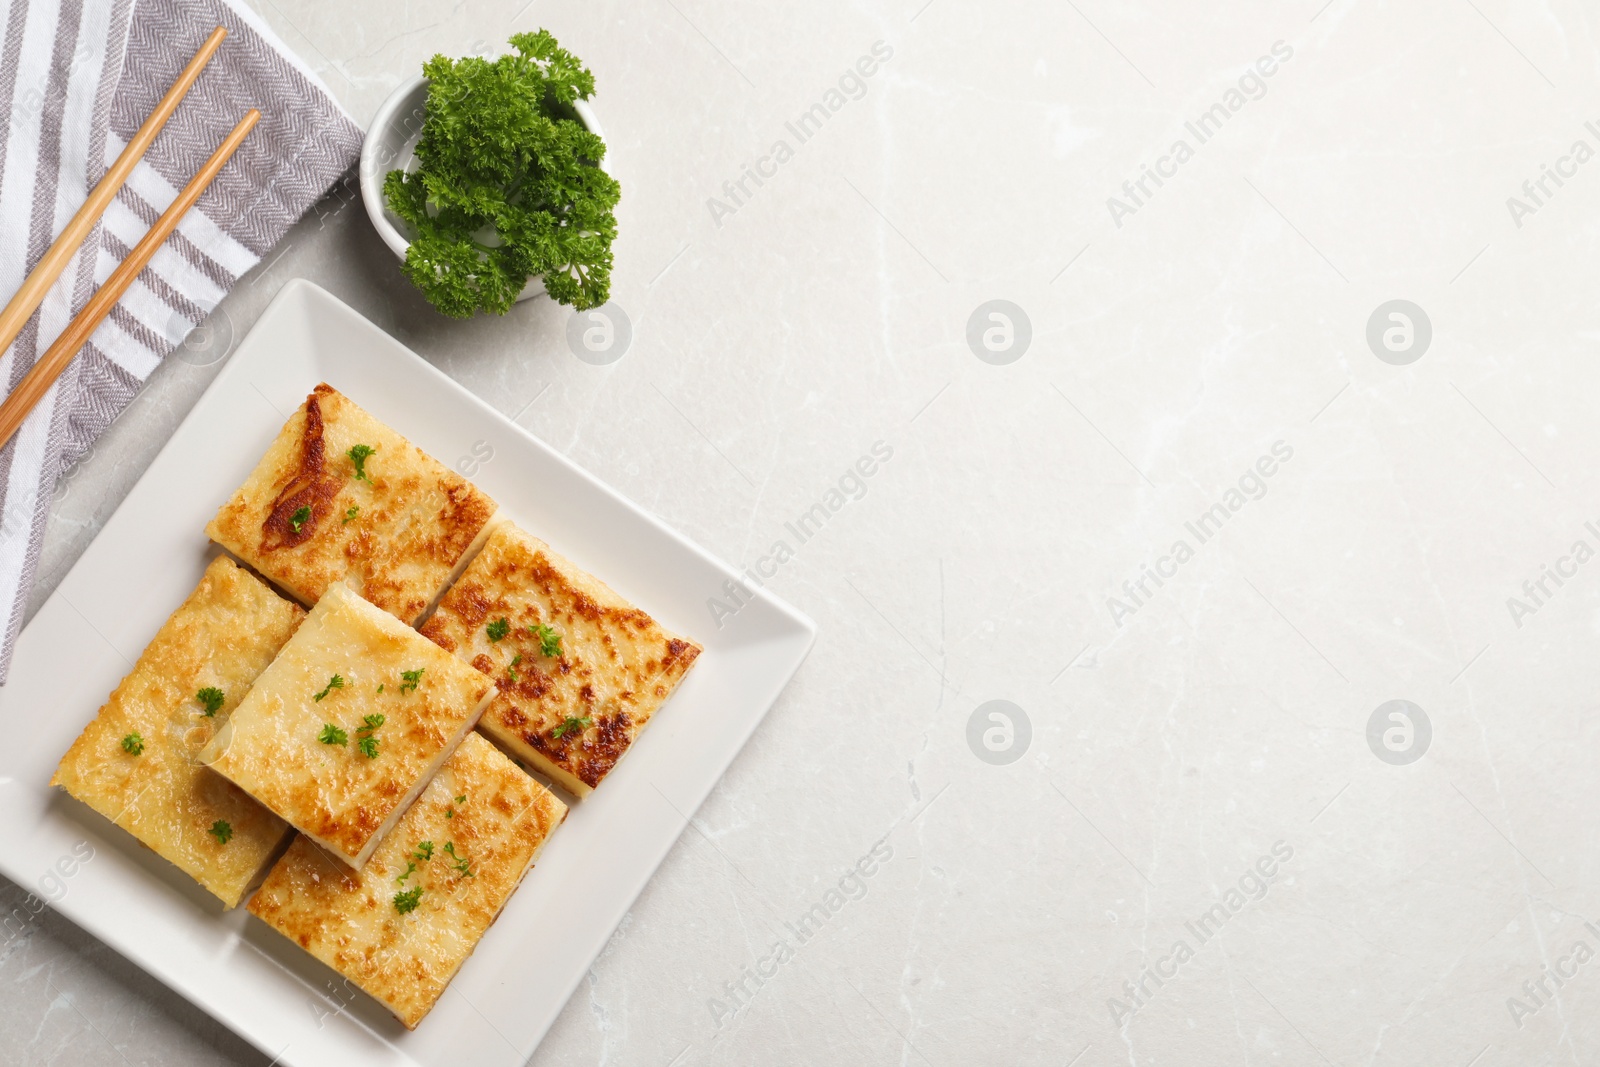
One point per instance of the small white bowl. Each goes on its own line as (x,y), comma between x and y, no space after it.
(391,143)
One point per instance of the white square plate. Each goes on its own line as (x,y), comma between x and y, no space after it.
(151,554)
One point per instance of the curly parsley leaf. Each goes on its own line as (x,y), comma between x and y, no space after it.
(301,516)
(461,864)
(365,741)
(571,726)
(336,682)
(407,900)
(498,629)
(211,699)
(133,744)
(409,680)
(358,455)
(332,735)
(549,640)
(222,831)
(508,183)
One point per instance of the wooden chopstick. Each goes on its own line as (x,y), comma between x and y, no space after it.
(56,258)
(44,373)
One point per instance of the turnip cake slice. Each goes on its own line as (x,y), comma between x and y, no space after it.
(340,497)
(136,762)
(402,926)
(347,725)
(578,670)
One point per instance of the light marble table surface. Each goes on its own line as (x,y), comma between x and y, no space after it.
(1200,504)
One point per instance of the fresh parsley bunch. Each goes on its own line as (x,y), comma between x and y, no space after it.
(509,183)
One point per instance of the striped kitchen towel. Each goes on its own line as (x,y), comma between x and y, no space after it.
(79,77)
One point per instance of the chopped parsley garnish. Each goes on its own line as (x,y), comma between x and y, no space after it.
(497,629)
(462,799)
(424,851)
(410,680)
(572,725)
(301,516)
(366,742)
(411,868)
(133,744)
(332,735)
(380,688)
(222,831)
(211,699)
(358,455)
(511,668)
(461,865)
(350,513)
(450,813)
(408,899)
(549,640)
(336,682)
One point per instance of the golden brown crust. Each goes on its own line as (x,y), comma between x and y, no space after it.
(616,668)
(348,920)
(223,636)
(333,792)
(311,486)
(414,522)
